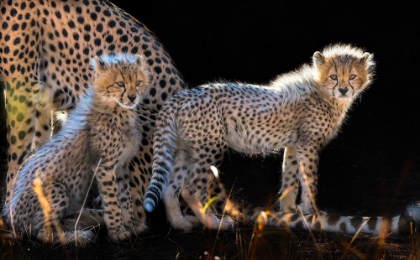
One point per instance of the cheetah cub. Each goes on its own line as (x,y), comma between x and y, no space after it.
(300,111)
(101,135)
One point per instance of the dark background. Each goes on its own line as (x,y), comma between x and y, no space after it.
(375,159)
(372,167)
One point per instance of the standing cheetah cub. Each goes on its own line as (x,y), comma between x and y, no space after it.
(300,111)
(102,132)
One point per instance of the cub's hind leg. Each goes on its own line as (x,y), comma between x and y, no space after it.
(40,214)
(171,195)
(198,185)
(290,181)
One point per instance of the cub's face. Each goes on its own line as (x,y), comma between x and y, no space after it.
(342,76)
(120,79)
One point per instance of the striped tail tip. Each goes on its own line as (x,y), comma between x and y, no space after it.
(152,196)
(149,205)
(151,200)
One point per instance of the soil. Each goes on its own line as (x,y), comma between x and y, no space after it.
(371,168)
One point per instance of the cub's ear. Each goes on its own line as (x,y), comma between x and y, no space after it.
(142,68)
(365,57)
(139,59)
(97,64)
(318,58)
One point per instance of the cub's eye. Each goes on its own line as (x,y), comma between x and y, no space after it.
(138,82)
(120,84)
(333,77)
(352,76)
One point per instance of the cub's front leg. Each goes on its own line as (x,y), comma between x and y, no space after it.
(126,202)
(300,165)
(107,184)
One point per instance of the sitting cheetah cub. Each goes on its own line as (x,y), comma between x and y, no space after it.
(101,134)
(300,111)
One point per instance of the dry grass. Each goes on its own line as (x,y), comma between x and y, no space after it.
(245,242)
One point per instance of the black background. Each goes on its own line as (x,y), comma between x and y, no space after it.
(372,167)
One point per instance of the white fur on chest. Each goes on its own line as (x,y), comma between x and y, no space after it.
(130,143)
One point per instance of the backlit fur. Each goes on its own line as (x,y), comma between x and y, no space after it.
(300,111)
(102,135)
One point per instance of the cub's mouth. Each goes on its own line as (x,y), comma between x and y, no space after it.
(128,105)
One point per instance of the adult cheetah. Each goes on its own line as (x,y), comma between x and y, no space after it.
(300,111)
(102,132)
(45,49)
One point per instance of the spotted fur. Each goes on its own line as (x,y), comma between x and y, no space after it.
(45,50)
(300,111)
(102,132)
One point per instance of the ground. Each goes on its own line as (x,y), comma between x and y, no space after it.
(372,167)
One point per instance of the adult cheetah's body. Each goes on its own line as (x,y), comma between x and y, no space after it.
(45,49)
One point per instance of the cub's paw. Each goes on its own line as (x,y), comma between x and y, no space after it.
(80,237)
(181,224)
(193,220)
(227,223)
(288,209)
(75,237)
(119,234)
(137,228)
(306,209)
(211,221)
(47,238)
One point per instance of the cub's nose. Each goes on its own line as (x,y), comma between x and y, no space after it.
(132,97)
(343,91)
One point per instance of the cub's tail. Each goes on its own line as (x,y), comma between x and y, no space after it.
(164,147)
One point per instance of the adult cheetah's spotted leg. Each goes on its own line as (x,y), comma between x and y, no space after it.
(19,75)
(43,122)
(19,135)
(289,186)
(141,170)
